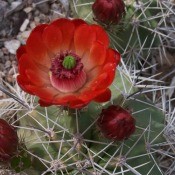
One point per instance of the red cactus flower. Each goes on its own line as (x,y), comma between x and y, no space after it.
(108,11)
(8,141)
(116,123)
(67,62)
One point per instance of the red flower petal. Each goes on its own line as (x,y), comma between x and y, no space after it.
(69,85)
(103,97)
(36,48)
(52,38)
(101,35)
(70,100)
(67,29)
(86,94)
(91,33)
(43,103)
(73,104)
(93,74)
(46,93)
(110,69)
(83,38)
(104,80)
(31,72)
(65,99)
(78,22)
(77,104)
(49,95)
(96,56)
(21,50)
(112,56)
(23,83)
(38,78)
(22,67)
(101,82)
(107,73)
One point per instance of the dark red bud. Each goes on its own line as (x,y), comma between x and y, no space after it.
(116,123)
(8,141)
(108,11)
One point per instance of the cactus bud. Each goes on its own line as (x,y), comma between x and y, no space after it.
(108,11)
(116,123)
(8,141)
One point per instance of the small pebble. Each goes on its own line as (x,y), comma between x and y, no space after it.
(43,18)
(14,63)
(1,67)
(54,6)
(36,13)
(25,34)
(43,7)
(36,19)
(1,94)
(3,33)
(30,2)
(1,54)
(8,64)
(28,9)
(24,25)
(2,60)
(11,71)
(65,3)
(2,74)
(22,37)
(10,79)
(5,72)
(32,25)
(12,45)
(6,58)
(30,17)
(12,57)
(15,76)
(5,50)
(54,16)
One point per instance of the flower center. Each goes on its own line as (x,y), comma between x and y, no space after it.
(66,72)
(69,62)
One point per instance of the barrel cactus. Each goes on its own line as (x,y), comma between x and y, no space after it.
(78,74)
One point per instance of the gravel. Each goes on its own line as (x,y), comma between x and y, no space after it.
(12,45)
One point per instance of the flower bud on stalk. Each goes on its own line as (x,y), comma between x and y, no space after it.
(116,123)
(108,11)
(8,141)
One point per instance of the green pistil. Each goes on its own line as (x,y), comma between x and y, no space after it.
(69,62)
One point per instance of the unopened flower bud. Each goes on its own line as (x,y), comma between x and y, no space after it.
(116,123)
(8,141)
(108,11)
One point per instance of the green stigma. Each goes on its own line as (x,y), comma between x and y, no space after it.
(69,62)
